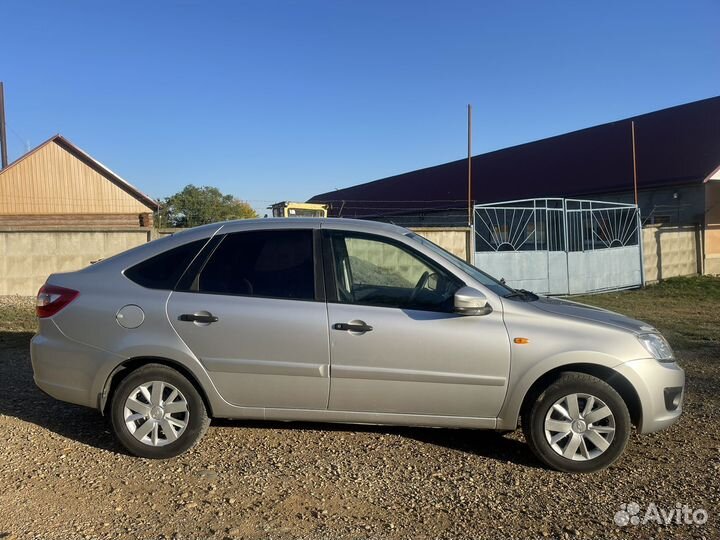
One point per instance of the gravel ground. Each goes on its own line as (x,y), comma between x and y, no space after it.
(64,476)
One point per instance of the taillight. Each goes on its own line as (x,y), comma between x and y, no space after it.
(51,299)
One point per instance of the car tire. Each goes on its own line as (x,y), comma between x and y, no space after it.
(157,413)
(596,419)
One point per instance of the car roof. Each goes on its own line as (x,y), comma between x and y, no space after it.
(305,222)
(144,251)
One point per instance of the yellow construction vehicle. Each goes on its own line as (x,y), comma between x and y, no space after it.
(296,209)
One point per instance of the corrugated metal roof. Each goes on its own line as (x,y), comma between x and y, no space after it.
(679,145)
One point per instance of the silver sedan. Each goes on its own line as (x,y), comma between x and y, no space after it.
(342,321)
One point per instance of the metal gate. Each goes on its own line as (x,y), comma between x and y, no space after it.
(560,246)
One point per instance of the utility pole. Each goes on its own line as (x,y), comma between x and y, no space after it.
(469,185)
(632,127)
(3,134)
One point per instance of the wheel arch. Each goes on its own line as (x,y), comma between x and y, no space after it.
(128,366)
(617,381)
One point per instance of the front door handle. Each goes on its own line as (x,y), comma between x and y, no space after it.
(353,327)
(204,317)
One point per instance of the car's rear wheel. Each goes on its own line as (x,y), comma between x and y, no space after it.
(578,424)
(157,413)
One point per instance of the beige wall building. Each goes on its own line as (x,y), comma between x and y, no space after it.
(712,224)
(60,209)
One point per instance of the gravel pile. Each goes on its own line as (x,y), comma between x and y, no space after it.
(63,476)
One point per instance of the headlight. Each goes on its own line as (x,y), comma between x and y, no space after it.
(657,346)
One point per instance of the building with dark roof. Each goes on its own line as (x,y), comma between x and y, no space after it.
(678,162)
(677,156)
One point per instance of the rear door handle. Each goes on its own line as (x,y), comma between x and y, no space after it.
(206,317)
(353,327)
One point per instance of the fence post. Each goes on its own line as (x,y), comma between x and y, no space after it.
(700,248)
(535,222)
(582,228)
(567,247)
(547,243)
(641,236)
(471,239)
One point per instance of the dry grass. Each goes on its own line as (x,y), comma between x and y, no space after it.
(17,314)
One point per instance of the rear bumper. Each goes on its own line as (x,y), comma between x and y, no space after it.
(654,381)
(65,369)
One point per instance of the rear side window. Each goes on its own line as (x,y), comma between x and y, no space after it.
(164,270)
(275,264)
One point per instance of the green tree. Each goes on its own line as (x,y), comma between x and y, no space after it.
(200,205)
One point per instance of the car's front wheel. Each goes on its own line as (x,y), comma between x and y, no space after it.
(579,424)
(157,413)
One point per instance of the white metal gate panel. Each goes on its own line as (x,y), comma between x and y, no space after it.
(560,246)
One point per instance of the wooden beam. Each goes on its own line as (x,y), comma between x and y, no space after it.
(79,220)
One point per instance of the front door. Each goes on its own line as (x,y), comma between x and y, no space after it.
(256,319)
(396,345)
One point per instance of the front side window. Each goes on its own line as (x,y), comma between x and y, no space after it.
(372,271)
(275,264)
(488,281)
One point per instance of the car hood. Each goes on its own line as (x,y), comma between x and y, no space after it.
(567,308)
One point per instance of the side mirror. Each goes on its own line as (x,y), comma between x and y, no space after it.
(469,301)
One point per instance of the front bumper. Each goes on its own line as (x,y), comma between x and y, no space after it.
(653,381)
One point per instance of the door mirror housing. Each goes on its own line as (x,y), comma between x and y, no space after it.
(469,301)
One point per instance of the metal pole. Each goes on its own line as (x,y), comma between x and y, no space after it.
(547,245)
(582,228)
(637,205)
(592,228)
(567,248)
(642,251)
(469,186)
(3,134)
(535,222)
(471,239)
(701,251)
(632,127)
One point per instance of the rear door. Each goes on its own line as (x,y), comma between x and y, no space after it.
(396,345)
(254,314)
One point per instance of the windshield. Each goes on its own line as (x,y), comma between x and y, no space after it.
(488,281)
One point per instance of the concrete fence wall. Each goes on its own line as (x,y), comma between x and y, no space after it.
(671,251)
(27,257)
(456,240)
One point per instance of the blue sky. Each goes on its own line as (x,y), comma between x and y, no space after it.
(274,100)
